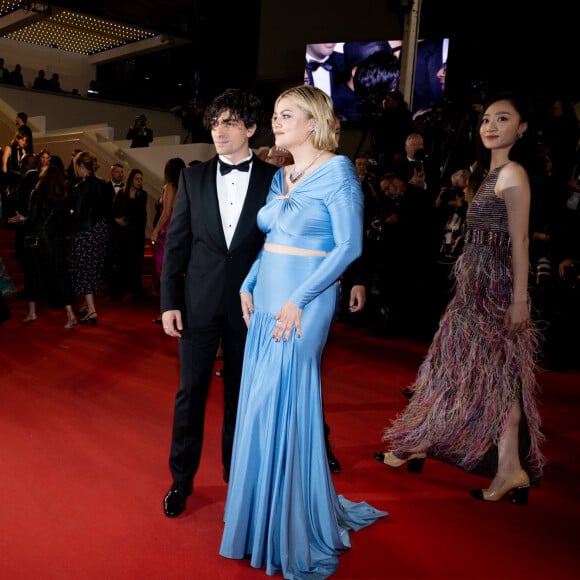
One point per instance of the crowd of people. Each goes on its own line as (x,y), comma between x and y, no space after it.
(257,257)
(75,232)
(15,78)
(291,295)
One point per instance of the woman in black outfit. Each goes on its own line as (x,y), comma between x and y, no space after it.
(129,220)
(91,205)
(46,269)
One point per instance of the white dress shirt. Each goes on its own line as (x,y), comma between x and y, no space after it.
(321,77)
(232,189)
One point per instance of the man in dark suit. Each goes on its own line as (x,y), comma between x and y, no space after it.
(211,243)
(323,65)
(112,187)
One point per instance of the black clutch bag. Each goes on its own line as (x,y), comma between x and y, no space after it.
(31,240)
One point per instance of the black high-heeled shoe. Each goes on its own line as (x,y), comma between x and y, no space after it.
(82,312)
(519,485)
(414,462)
(406,392)
(89,319)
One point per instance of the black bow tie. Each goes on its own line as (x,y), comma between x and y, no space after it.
(225,168)
(313,65)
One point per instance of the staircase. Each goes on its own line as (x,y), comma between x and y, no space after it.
(7,253)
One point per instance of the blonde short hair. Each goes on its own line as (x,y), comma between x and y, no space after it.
(86,159)
(317,105)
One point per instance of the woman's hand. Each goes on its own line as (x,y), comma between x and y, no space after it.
(247,306)
(287,318)
(16,219)
(517,318)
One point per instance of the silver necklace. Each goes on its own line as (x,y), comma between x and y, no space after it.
(296,175)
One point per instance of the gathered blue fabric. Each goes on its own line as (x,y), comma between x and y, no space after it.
(282,509)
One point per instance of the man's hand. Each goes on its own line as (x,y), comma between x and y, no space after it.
(358,296)
(172,324)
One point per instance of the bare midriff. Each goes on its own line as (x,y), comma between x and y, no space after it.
(279,249)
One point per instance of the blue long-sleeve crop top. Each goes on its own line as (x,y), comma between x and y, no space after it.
(324,212)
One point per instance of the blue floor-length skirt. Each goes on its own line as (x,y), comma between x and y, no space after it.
(282,510)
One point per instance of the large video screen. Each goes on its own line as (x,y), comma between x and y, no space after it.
(358,75)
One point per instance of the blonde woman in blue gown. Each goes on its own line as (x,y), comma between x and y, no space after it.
(282,510)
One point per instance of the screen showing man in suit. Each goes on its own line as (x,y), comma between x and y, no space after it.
(332,66)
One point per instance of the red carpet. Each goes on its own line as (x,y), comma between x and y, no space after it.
(85,423)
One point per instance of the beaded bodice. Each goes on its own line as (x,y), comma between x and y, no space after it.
(487,221)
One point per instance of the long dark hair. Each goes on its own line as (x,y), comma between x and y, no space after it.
(172,170)
(127,189)
(53,182)
(525,150)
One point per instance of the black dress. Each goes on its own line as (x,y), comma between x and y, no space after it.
(128,244)
(46,266)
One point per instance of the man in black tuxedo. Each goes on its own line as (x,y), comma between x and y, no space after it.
(322,66)
(211,243)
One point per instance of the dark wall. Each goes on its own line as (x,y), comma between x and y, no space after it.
(261,45)
(498,42)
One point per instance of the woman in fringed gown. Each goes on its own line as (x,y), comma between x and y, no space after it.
(282,508)
(474,398)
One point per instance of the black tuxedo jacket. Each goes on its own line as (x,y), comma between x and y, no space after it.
(336,59)
(201,277)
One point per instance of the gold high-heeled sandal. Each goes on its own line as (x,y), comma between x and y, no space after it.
(518,484)
(414,462)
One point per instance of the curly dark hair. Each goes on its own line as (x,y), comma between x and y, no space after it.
(241,104)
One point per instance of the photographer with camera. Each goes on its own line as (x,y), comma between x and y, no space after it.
(401,258)
(411,165)
(139,133)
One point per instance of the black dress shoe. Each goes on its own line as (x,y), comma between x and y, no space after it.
(332,461)
(407,393)
(175,500)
